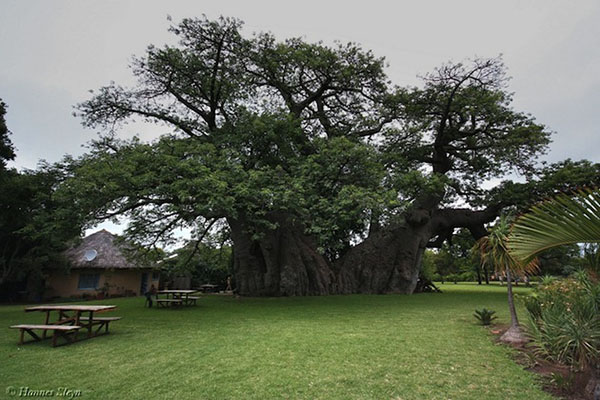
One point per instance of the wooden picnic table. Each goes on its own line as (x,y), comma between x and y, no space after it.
(176,297)
(209,288)
(68,321)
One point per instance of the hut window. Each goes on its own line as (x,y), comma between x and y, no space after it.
(155,276)
(88,281)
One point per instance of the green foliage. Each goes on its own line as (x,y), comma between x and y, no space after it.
(453,260)
(564,321)
(591,260)
(565,176)
(565,314)
(547,279)
(494,250)
(7,151)
(562,220)
(35,226)
(562,382)
(560,260)
(428,268)
(204,263)
(485,316)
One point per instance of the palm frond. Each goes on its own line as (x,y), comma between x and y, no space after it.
(561,220)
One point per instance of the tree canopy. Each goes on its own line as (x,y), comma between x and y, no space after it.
(302,151)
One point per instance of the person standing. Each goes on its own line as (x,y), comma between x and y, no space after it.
(151,292)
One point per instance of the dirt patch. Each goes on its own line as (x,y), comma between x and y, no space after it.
(557,379)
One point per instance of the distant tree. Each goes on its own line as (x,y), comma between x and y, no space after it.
(590,260)
(454,259)
(203,262)
(7,151)
(35,226)
(561,260)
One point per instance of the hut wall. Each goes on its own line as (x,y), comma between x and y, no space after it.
(121,282)
(127,282)
(61,284)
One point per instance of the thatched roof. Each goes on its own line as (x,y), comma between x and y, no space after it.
(101,250)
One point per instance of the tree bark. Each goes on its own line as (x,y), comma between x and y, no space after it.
(514,321)
(513,334)
(386,262)
(282,262)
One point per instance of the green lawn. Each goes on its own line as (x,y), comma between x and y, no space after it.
(425,346)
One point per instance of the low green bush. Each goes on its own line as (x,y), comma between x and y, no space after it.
(485,316)
(436,277)
(564,321)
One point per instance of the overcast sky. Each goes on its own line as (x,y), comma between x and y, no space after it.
(53,51)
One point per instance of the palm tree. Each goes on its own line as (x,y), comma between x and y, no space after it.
(561,220)
(493,250)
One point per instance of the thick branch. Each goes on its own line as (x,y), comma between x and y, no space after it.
(473,220)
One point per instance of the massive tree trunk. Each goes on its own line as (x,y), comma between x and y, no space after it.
(282,262)
(386,262)
(285,261)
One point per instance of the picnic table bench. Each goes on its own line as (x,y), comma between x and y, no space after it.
(167,302)
(189,300)
(102,322)
(64,331)
(176,297)
(68,324)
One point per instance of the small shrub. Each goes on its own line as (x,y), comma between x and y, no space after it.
(530,359)
(564,324)
(547,280)
(467,277)
(564,383)
(485,316)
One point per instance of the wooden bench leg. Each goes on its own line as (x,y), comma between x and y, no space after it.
(32,334)
(102,324)
(46,323)
(70,337)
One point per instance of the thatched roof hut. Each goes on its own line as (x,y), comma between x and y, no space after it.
(101,250)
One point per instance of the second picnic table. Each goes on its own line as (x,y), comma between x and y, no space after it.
(176,297)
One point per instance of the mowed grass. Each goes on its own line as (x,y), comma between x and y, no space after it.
(424,346)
